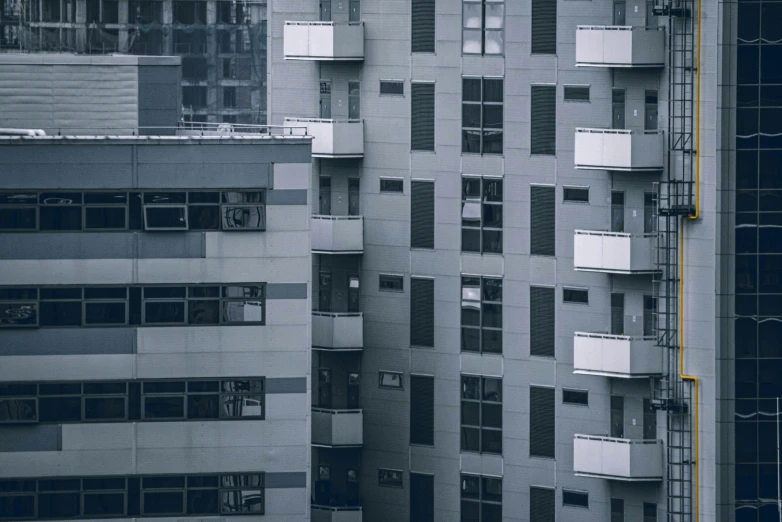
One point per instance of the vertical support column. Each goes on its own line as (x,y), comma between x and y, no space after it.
(168,29)
(81,26)
(122,38)
(213,64)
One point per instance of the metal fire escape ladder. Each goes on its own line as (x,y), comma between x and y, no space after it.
(675,202)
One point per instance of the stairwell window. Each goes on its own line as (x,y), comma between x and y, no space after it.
(482,26)
(482,115)
(482,215)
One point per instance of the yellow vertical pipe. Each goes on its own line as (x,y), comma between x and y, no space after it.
(682,375)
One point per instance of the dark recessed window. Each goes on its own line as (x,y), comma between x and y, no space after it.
(392,87)
(575,498)
(392,283)
(578,397)
(392,185)
(389,478)
(391,380)
(572,295)
(576,93)
(575,195)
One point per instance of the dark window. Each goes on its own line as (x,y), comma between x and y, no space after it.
(422,39)
(482,115)
(482,26)
(482,215)
(650,512)
(422,410)
(390,478)
(481,314)
(422,110)
(575,195)
(542,221)
(576,93)
(392,87)
(578,397)
(481,416)
(617,510)
(542,422)
(543,126)
(544,27)
(392,185)
(542,322)
(422,214)
(573,295)
(575,498)
(194,98)
(541,504)
(481,498)
(421,497)
(421,312)
(391,283)
(391,380)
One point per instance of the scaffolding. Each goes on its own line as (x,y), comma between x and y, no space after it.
(222,44)
(675,202)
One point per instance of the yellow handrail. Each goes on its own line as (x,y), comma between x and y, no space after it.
(682,375)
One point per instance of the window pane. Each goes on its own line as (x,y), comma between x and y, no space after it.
(391,185)
(242,197)
(165,217)
(492,489)
(163,503)
(471,242)
(235,217)
(103,483)
(17,410)
(492,315)
(491,511)
(494,15)
(492,289)
(242,311)
(163,292)
(104,408)
(492,241)
(96,504)
(492,389)
(471,413)
(491,441)
(202,502)
(65,313)
(242,406)
(471,511)
(470,439)
(60,218)
(492,216)
(105,313)
(18,314)
(492,415)
(204,217)
(492,90)
(164,407)
(492,142)
(470,485)
(390,380)
(105,217)
(164,387)
(492,116)
(472,15)
(93,388)
(492,341)
(17,218)
(17,507)
(471,89)
(242,501)
(203,312)
(471,141)
(471,115)
(164,312)
(59,409)
(471,339)
(59,505)
(243,386)
(164,482)
(471,388)
(93,198)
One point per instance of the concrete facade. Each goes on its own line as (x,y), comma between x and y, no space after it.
(294,93)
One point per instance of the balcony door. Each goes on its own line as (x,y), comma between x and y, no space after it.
(355,11)
(324,196)
(353,293)
(617,314)
(617,416)
(325,99)
(618,109)
(353,390)
(324,388)
(354,100)
(324,291)
(617,211)
(325,10)
(619,13)
(354,191)
(650,421)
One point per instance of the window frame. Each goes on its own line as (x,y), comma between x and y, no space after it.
(578,391)
(482,130)
(397,277)
(383,479)
(482,480)
(578,492)
(483,201)
(576,86)
(382,386)
(483,29)
(400,192)
(567,200)
(572,290)
(481,305)
(480,427)
(391,81)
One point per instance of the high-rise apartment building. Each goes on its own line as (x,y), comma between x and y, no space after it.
(222,44)
(569,258)
(154,301)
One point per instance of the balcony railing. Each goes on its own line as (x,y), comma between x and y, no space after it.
(613,252)
(342,428)
(619,149)
(336,514)
(333,138)
(338,331)
(327,41)
(619,46)
(337,234)
(618,459)
(616,355)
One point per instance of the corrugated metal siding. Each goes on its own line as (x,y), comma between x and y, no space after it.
(421,312)
(543,127)
(421,410)
(421,498)
(422,214)
(422,116)
(542,442)
(544,26)
(542,221)
(542,321)
(422,39)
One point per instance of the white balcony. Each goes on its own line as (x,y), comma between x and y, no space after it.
(619,149)
(618,459)
(336,514)
(619,46)
(333,138)
(338,331)
(616,355)
(613,252)
(337,234)
(327,41)
(337,427)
